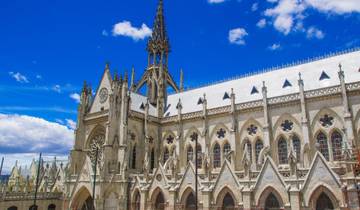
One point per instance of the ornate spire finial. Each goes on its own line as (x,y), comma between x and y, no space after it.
(159,40)
(181,80)
(107,65)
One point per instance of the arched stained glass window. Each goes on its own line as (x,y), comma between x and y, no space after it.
(248,147)
(323,145)
(282,151)
(336,143)
(227,148)
(297,146)
(258,147)
(189,153)
(133,162)
(217,156)
(152,159)
(199,156)
(166,155)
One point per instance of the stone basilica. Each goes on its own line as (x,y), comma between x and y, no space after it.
(279,139)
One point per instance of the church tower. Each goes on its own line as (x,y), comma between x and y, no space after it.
(157,76)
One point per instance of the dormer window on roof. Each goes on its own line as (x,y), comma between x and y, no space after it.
(286,84)
(142,106)
(200,101)
(324,76)
(226,96)
(254,90)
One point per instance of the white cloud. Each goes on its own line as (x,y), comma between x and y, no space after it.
(38,76)
(57,88)
(125,28)
(335,6)
(104,33)
(19,77)
(274,47)
(287,15)
(261,23)
(215,1)
(313,32)
(236,36)
(70,124)
(76,97)
(22,133)
(254,7)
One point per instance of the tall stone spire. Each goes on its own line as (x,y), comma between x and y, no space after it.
(157,77)
(159,42)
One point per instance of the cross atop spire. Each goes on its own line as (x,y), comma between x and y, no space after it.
(159,41)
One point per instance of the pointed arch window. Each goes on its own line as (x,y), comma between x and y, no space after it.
(133,161)
(199,156)
(152,159)
(282,151)
(217,156)
(248,147)
(189,153)
(258,147)
(166,155)
(323,145)
(226,96)
(336,143)
(227,148)
(297,146)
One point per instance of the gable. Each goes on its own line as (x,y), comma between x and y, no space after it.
(104,88)
(320,175)
(187,180)
(269,176)
(158,180)
(226,178)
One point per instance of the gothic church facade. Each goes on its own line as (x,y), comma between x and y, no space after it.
(281,139)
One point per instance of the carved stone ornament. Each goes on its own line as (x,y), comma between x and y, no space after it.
(252,129)
(158,177)
(287,125)
(103,94)
(221,133)
(170,139)
(96,144)
(326,120)
(194,136)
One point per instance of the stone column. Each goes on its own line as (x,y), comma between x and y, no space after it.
(347,114)
(247,198)
(305,155)
(206,195)
(266,117)
(295,199)
(171,201)
(143,202)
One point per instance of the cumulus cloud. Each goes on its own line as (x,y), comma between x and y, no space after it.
(274,47)
(313,32)
(57,88)
(18,77)
(71,124)
(287,15)
(335,6)
(261,23)
(254,7)
(237,35)
(125,28)
(28,134)
(215,1)
(76,97)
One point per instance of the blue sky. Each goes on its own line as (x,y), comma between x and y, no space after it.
(48,48)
